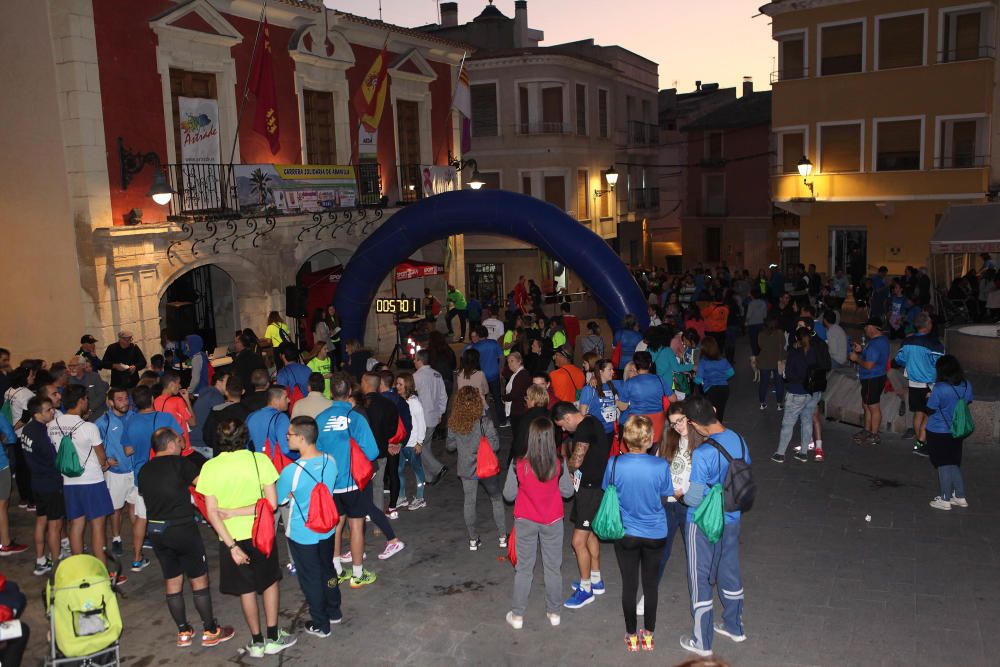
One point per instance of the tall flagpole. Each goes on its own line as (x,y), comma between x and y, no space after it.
(246,87)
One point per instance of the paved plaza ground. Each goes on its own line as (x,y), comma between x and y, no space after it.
(844,563)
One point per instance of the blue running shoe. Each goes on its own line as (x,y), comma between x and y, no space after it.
(596,589)
(579,598)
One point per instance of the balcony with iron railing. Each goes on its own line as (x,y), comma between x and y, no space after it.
(788,74)
(220,191)
(644,199)
(642,134)
(410,188)
(545,128)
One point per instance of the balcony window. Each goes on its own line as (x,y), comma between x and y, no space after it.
(965,34)
(791,57)
(526,184)
(540,108)
(842,48)
(582,195)
(581,109)
(840,148)
(900,41)
(321,140)
(552,109)
(602,113)
(791,146)
(484,109)
(898,145)
(713,146)
(555,191)
(605,200)
(408,136)
(962,143)
(713,195)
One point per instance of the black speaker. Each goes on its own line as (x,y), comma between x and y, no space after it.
(295,301)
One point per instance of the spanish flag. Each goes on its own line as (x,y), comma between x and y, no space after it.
(265,119)
(369,99)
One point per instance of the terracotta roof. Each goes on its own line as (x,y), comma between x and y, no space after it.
(747,111)
(411,32)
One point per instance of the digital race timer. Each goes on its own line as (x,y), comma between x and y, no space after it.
(398,306)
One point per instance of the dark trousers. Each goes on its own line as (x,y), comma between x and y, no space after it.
(718,396)
(378,517)
(462,319)
(318,580)
(391,478)
(753,331)
(497,401)
(639,557)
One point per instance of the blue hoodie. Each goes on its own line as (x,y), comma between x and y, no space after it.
(338,425)
(919,355)
(194,346)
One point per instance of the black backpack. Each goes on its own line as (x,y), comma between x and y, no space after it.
(816,377)
(738,487)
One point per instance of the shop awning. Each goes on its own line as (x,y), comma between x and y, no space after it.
(968,228)
(413,268)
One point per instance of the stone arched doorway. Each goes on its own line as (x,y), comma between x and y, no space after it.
(203,301)
(486,212)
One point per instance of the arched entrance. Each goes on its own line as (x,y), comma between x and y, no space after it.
(486,212)
(200,301)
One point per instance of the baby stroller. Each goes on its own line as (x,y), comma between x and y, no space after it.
(84,621)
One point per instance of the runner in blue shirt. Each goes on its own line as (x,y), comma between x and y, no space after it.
(873,365)
(293,374)
(118,477)
(271,422)
(602,401)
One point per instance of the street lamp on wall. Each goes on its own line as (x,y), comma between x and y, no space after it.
(611,176)
(133,162)
(476,181)
(805,169)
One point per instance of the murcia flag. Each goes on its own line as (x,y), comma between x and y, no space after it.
(265,119)
(369,99)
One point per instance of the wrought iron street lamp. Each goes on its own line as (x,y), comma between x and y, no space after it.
(805,169)
(611,176)
(133,162)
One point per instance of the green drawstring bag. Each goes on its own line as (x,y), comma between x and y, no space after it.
(607,523)
(67,460)
(962,425)
(682,383)
(710,515)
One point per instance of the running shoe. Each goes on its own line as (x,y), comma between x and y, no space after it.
(391,549)
(859,437)
(798,448)
(502,541)
(940,503)
(646,640)
(959,502)
(346,556)
(42,568)
(778,458)
(223,633)
(343,576)
(475,544)
(116,548)
(140,565)
(579,598)
(801,456)
(292,570)
(763,406)
(276,646)
(516,622)
(920,448)
(147,543)
(631,643)
(820,456)
(254,650)
(689,644)
(365,579)
(781,406)
(391,514)
(185,637)
(403,502)
(12,548)
(417,503)
(119,580)
(596,587)
(554,619)
(720,628)
(311,628)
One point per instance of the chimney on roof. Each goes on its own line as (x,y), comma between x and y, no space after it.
(697,85)
(747,86)
(520,23)
(449,13)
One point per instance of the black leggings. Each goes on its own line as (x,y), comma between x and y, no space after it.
(718,396)
(390,479)
(639,556)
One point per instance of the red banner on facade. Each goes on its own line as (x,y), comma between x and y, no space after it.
(265,119)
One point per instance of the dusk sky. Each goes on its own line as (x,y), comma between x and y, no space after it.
(707,40)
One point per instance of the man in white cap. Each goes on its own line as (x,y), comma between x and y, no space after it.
(125,360)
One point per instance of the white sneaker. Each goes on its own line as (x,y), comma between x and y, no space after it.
(401,503)
(516,622)
(554,619)
(475,544)
(940,503)
(417,503)
(502,541)
(959,502)
(720,628)
(391,549)
(640,608)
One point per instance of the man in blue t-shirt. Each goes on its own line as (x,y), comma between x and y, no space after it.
(118,477)
(873,364)
(271,422)
(490,354)
(712,564)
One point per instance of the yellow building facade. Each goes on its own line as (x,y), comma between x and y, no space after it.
(891,102)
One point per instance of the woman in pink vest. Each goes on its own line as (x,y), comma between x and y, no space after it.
(536,484)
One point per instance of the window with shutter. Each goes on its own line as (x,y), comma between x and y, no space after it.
(552,110)
(602,113)
(555,191)
(408,136)
(321,140)
(581,109)
(582,195)
(188,84)
(484,110)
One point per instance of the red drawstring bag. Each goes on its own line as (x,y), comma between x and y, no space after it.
(512,547)
(294,396)
(362,469)
(272,448)
(399,437)
(323,515)
(486,461)
(616,355)
(616,444)
(262,536)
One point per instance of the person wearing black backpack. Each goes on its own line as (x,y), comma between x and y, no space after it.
(805,380)
(711,565)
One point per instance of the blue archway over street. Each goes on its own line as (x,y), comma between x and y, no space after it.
(486,212)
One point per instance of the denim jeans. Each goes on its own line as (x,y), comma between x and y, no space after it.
(952,484)
(676,522)
(409,455)
(798,407)
(764,384)
(711,565)
(314,566)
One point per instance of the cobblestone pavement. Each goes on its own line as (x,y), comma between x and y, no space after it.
(844,563)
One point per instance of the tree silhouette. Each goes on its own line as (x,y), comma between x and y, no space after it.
(259,182)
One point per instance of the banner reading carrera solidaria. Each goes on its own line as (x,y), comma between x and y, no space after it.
(295,188)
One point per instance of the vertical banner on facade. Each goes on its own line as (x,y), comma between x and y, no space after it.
(367,145)
(435,179)
(200,152)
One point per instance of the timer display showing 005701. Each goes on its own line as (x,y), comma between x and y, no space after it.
(397,306)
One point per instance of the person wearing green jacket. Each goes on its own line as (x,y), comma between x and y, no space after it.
(460,307)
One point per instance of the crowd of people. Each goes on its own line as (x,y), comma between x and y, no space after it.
(326,442)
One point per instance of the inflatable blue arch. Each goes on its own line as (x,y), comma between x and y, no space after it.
(486,212)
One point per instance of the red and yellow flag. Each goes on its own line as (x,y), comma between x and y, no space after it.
(265,119)
(369,99)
